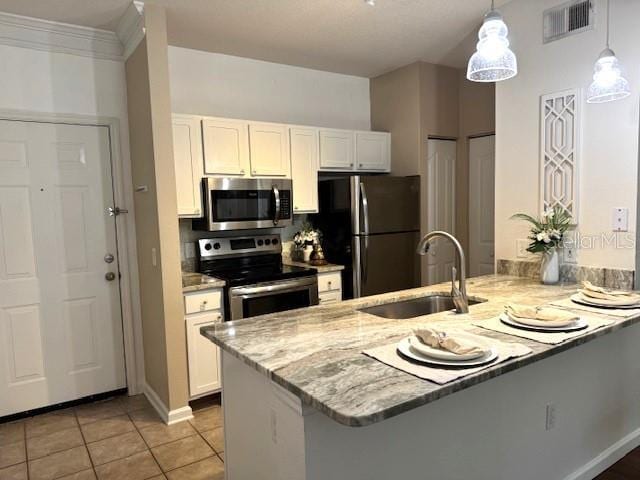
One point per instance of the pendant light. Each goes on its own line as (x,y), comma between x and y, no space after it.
(608,83)
(493,60)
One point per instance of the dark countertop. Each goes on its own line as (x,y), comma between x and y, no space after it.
(315,353)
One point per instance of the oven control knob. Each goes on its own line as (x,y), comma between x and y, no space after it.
(207,246)
(216,246)
(274,241)
(267,242)
(260,242)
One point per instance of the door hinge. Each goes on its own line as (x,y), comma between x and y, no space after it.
(115,211)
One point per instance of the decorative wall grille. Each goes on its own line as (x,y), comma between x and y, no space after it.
(559,151)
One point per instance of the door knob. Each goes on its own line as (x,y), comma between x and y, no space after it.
(110,276)
(109,258)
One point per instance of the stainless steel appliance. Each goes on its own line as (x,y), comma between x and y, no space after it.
(256,280)
(245,203)
(371,224)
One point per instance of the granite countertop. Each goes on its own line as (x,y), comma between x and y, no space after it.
(330,267)
(193,282)
(315,353)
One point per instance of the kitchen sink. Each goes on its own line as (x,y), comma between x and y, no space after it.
(416,307)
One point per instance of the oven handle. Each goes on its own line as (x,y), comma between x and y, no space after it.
(276,215)
(275,287)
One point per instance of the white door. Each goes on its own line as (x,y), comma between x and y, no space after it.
(336,150)
(60,320)
(373,151)
(226,147)
(441,168)
(304,169)
(481,205)
(269,150)
(187,156)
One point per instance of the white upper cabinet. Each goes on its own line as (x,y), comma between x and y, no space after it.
(304,169)
(187,156)
(373,151)
(226,147)
(269,150)
(336,150)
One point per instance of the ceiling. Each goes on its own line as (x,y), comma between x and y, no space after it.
(344,36)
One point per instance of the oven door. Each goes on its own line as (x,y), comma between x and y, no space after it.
(238,203)
(251,300)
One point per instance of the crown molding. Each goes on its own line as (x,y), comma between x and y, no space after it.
(130,29)
(37,34)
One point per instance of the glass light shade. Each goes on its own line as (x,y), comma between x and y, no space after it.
(608,83)
(493,60)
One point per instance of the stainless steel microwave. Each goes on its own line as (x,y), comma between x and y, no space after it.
(245,203)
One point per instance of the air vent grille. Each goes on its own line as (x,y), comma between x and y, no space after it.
(568,19)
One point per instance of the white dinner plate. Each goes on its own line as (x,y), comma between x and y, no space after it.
(579,324)
(599,303)
(532,322)
(442,354)
(404,347)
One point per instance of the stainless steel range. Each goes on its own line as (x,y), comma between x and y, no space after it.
(256,280)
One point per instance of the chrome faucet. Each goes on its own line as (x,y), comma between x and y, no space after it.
(458,293)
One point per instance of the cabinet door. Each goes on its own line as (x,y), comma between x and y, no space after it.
(269,150)
(187,156)
(373,151)
(203,356)
(226,147)
(304,169)
(336,150)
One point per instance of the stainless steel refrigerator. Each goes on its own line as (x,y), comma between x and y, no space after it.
(371,224)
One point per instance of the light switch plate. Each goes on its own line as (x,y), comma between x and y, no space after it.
(620,220)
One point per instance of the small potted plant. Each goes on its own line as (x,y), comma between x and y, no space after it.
(546,235)
(304,240)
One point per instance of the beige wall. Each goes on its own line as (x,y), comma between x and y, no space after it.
(423,100)
(156,214)
(477,108)
(395,108)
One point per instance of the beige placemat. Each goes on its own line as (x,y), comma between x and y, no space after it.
(614,312)
(389,355)
(543,337)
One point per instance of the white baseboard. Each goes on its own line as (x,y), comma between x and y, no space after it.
(607,458)
(168,416)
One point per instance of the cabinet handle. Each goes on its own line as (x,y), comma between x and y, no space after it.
(361,165)
(351,164)
(242,171)
(329,283)
(295,208)
(253,172)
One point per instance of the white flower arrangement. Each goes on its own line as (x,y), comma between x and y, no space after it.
(548,231)
(307,236)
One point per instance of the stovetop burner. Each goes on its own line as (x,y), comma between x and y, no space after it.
(247,260)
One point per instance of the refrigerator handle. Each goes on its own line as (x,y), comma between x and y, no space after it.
(365,220)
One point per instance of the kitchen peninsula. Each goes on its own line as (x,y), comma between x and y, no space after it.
(303,402)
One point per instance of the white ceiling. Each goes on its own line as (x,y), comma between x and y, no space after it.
(345,36)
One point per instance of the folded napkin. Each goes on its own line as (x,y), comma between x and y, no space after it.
(593,291)
(549,315)
(435,338)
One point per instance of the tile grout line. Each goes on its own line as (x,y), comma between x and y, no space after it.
(84,441)
(147,445)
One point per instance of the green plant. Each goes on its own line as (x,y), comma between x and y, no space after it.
(547,232)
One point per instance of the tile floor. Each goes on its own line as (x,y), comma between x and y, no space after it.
(115,439)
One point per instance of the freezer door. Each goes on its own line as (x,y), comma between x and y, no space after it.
(383,204)
(385,263)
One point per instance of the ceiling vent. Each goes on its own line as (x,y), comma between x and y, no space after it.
(570,18)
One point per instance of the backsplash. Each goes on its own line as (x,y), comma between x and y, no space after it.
(601,276)
(189,238)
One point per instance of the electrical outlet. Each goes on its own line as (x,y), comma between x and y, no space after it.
(550,419)
(521,248)
(189,250)
(620,220)
(570,253)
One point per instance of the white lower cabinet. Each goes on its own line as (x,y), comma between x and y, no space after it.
(329,287)
(202,355)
